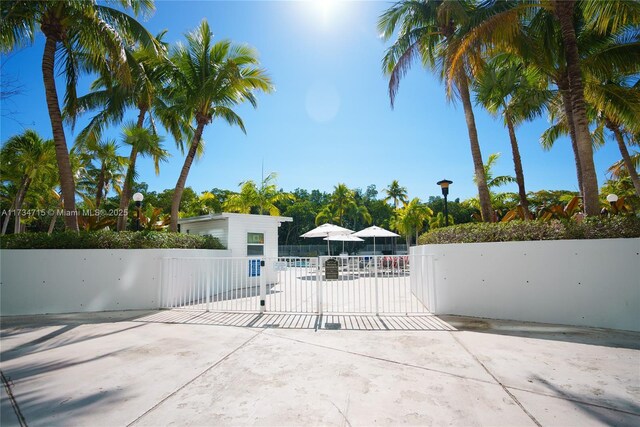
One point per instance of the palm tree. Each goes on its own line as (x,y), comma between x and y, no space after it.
(521,93)
(245,200)
(557,24)
(493,182)
(143,142)
(23,159)
(150,74)
(396,193)
(428,30)
(411,219)
(87,36)
(261,199)
(619,168)
(99,180)
(618,110)
(438,221)
(340,202)
(210,79)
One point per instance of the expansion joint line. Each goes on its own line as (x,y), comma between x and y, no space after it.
(12,399)
(506,390)
(194,378)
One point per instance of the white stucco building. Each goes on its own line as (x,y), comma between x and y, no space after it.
(244,235)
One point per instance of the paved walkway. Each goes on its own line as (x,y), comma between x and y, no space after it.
(178,368)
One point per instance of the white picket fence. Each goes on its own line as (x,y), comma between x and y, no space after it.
(363,284)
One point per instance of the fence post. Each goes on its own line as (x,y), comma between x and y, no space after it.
(263,287)
(375,269)
(319,285)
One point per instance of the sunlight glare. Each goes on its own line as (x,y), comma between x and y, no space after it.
(325,9)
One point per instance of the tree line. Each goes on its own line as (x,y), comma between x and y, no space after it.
(183,88)
(576,62)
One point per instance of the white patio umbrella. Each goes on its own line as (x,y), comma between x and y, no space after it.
(326,230)
(375,231)
(344,238)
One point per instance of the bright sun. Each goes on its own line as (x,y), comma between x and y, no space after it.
(324,8)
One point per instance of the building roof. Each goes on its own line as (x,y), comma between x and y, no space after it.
(226,215)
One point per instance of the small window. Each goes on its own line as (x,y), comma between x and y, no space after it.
(255,244)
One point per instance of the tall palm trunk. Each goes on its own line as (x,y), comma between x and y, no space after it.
(483,190)
(62,152)
(563,86)
(54,218)
(100,185)
(19,201)
(17,204)
(626,158)
(564,12)
(125,194)
(182,179)
(517,165)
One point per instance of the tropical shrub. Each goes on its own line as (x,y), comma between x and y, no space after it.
(590,228)
(109,240)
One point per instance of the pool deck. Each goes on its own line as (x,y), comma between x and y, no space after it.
(181,367)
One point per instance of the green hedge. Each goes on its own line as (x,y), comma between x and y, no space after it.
(109,240)
(590,228)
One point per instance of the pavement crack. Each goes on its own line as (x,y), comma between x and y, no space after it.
(346,420)
(12,399)
(382,359)
(506,390)
(570,399)
(154,407)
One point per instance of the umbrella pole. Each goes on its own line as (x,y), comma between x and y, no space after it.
(374,245)
(328,249)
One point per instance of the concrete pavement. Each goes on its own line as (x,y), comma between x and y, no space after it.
(184,368)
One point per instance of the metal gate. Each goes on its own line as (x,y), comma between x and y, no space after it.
(341,285)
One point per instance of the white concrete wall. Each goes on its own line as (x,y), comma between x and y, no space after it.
(70,280)
(572,282)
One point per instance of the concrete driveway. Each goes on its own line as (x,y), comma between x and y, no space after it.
(192,368)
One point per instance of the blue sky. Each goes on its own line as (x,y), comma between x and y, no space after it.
(329,120)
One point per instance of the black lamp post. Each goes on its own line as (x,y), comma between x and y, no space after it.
(138,197)
(444,184)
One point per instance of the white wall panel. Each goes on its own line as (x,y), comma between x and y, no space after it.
(72,280)
(573,282)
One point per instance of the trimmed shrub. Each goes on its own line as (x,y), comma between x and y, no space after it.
(109,240)
(591,228)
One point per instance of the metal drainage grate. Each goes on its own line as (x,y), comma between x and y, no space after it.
(334,326)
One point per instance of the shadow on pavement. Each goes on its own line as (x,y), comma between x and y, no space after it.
(613,414)
(575,334)
(418,322)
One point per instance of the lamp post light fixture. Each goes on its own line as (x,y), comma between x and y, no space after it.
(444,184)
(138,197)
(612,199)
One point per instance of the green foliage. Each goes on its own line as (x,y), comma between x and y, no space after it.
(591,228)
(109,240)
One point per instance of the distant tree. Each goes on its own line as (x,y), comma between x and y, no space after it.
(411,219)
(396,193)
(82,36)
(259,199)
(99,180)
(145,143)
(342,204)
(439,221)
(24,158)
